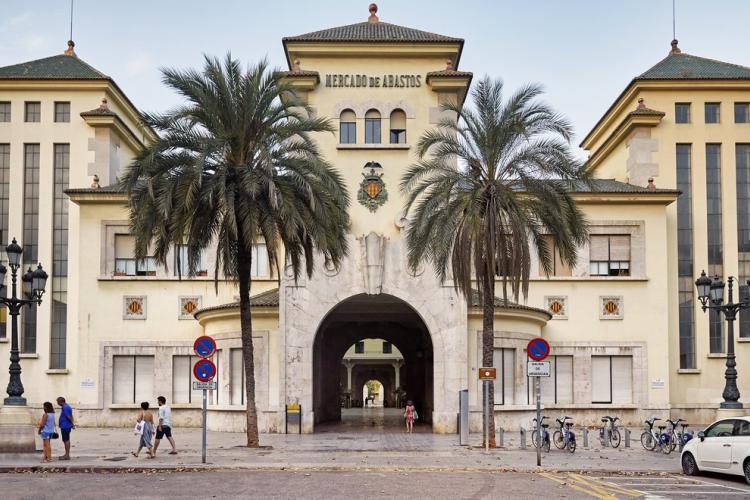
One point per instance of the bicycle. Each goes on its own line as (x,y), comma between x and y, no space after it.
(649,437)
(614,434)
(544,432)
(674,436)
(564,437)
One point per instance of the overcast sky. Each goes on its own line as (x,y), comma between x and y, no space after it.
(584,52)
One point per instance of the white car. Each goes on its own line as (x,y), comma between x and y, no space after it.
(723,447)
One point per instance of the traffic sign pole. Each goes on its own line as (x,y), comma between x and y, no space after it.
(204,370)
(538,422)
(203,432)
(537,349)
(486,385)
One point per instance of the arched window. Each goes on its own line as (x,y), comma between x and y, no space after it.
(398,127)
(348,127)
(372,127)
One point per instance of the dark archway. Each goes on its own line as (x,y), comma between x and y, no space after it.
(371,317)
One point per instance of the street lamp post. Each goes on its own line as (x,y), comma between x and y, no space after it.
(711,295)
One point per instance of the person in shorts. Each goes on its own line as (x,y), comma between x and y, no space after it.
(66,424)
(164,427)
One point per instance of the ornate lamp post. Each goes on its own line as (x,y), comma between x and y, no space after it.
(711,295)
(33,289)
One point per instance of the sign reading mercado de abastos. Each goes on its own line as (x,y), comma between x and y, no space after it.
(401,81)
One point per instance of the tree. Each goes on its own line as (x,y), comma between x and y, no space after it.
(489,184)
(233,165)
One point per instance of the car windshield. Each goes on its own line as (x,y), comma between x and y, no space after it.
(721,429)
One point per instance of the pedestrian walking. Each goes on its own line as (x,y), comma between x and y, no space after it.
(66,424)
(164,427)
(47,431)
(410,414)
(144,427)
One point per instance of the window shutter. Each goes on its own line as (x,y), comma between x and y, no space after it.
(619,247)
(122,379)
(236,376)
(509,374)
(622,379)
(124,246)
(564,379)
(144,378)
(599,247)
(600,379)
(547,385)
(181,379)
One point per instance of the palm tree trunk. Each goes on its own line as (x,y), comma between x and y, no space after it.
(246,329)
(488,347)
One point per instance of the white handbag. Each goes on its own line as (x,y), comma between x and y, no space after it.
(138,429)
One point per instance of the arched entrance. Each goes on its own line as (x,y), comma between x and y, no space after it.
(383,322)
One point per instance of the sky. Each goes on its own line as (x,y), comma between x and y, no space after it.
(584,52)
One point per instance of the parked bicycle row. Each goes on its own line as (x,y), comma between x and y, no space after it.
(664,438)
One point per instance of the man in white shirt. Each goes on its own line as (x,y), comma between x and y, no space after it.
(164,428)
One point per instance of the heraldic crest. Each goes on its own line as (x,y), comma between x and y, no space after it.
(372,193)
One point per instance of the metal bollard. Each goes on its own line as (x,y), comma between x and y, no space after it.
(627,437)
(501,437)
(523,438)
(605,441)
(585,437)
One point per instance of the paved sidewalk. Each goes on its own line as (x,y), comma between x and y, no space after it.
(107,449)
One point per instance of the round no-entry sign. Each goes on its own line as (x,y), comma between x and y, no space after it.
(537,349)
(204,370)
(204,346)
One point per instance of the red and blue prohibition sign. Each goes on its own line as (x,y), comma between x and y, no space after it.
(537,349)
(204,370)
(204,346)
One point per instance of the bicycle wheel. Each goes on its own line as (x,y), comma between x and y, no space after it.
(572,445)
(673,440)
(614,438)
(533,438)
(545,444)
(647,441)
(558,439)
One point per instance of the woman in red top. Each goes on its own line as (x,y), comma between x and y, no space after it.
(410,414)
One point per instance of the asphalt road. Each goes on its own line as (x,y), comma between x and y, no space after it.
(352,485)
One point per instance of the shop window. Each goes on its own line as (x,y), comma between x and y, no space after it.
(182,380)
(348,127)
(504,362)
(372,127)
(612,379)
(682,112)
(132,379)
(609,255)
(398,127)
(559,268)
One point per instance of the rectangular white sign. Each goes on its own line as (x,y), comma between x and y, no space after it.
(538,368)
(209,386)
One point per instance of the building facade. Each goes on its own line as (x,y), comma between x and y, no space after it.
(614,320)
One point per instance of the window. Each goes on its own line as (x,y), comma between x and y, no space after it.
(62,112)
(610,255)
(359,347)
(387,347)
(33,112)
(181,267)
(398,127)
(558,387)
(504,362)
(611,379)
(237,377)
(715,239)
(372,127)
(348,127)
(682,112)
(712,112)
(723,428)
(685,280)
(4,200)
(260,261)
(58,340)
(742,428)
(132,379)
(742,154)
(30,235)
(4,112)
(182,380)
(124,255)
(741,112)
(558,267)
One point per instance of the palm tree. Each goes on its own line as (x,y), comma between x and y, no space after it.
(489,184)
(233,165)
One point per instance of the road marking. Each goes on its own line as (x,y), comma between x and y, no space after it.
(594,487)
(673,486)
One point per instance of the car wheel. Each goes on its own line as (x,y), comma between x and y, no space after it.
(690,468)
(746,470)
